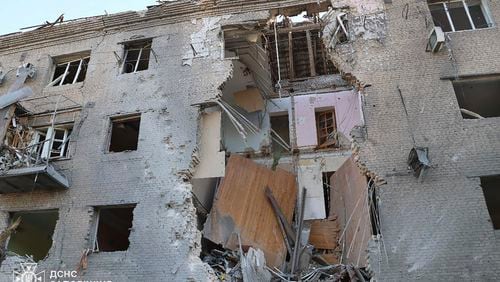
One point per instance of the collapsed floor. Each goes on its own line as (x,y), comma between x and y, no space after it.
(279,189)
(256,220)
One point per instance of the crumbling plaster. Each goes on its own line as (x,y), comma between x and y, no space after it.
(441,225)
(164,225)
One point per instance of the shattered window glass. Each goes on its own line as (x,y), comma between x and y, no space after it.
(70,72)
(137,56)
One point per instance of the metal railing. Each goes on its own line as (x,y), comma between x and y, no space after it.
(12,158)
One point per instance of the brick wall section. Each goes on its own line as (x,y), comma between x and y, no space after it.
(435,230)
(165,243)
(438,230)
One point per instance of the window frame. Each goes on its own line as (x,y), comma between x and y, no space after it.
(55,81)
(318,112)
(465,6)
(94,242)
(47,147)
(146,44)
(117,119)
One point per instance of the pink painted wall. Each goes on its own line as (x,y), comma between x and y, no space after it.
(347,113)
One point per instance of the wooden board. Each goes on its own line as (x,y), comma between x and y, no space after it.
(241,205)
(349,201)
(324,234)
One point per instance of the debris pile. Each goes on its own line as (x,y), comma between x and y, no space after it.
(225,263)
(18,149)
(256,229)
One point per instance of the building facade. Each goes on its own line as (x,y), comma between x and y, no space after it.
(118,132)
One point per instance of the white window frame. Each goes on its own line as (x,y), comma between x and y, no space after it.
(49,137)
(146,44)
(60,79)
(95,243)
(467,12)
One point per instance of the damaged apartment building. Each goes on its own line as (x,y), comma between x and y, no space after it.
(287,140)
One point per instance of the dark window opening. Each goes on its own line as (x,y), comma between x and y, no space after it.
(458,16)
(455,16)
(281,126)
(137,56)
(326,127)
(70,72)
(440,17)
(478,97)
(477,15)
(327,190)
(124,133)
(33,236)
(113,228)
(491,191)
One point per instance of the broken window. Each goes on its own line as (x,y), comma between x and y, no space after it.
(281,127)
(70,70)
(52,142)
(124,133)
(478,97)
(137,56)
(33,236)
(491,191)
(326,127)
(459,15)
(326,190)
(113,225)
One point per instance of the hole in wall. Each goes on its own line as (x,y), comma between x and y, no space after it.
(33,237)
(124,133)
(113,228)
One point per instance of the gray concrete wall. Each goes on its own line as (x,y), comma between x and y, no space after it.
(433,231)
(438,230)
(165,243)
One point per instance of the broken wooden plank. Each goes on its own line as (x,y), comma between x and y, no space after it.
(311,53)
(241,206)
(290,55)
(324,234)
(286,225)
(349,203)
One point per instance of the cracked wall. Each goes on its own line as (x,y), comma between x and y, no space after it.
(441,225)
(164,225)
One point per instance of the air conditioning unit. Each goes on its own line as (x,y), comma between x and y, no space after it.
(436,40)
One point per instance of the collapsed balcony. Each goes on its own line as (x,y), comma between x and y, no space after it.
(25,159)
(31,145)
(34,133)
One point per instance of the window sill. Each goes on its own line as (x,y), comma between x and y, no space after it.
(63,87)
(60,159)
(470,30)
(121,152)
(486,119)
(137,72)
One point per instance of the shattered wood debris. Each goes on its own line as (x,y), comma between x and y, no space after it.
(17,150)
(256,239)
(241,206)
